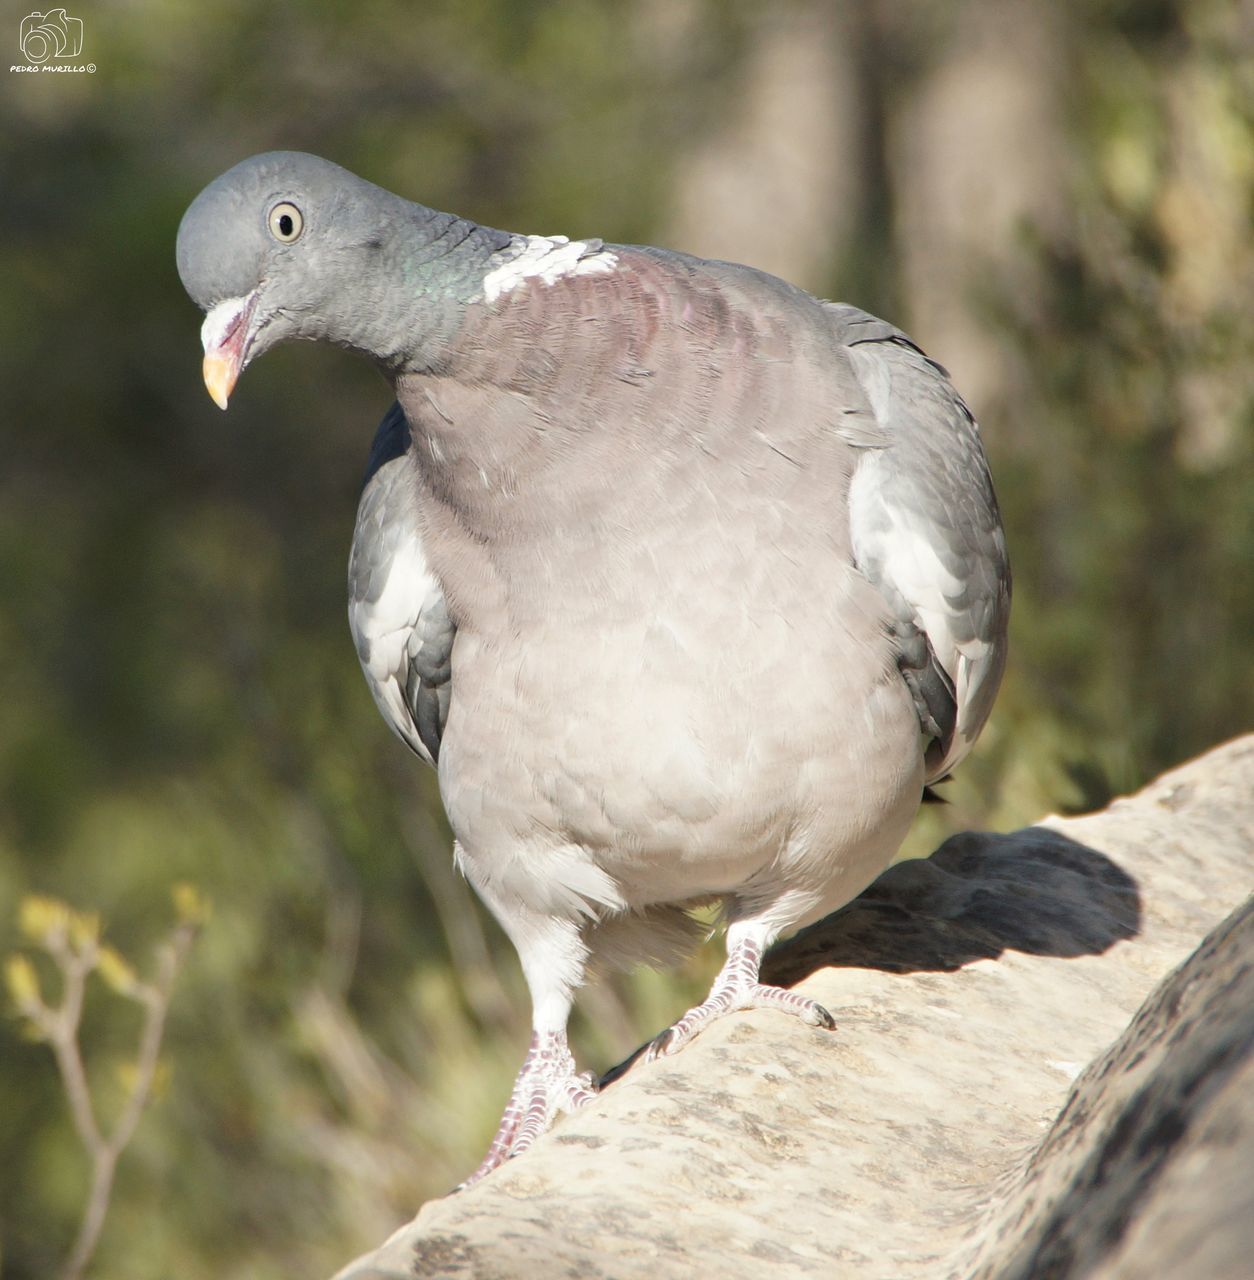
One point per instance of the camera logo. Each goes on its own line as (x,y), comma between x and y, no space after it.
(50,35)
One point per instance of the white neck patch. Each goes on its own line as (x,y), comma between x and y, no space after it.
(548,258)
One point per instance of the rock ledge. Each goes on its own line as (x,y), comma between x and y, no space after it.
(1042,1067)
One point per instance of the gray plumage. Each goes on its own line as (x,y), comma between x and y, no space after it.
(685,581)
(397,611)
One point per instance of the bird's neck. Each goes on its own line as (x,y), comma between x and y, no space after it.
(417,284)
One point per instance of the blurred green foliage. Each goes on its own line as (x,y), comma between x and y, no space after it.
(180,697)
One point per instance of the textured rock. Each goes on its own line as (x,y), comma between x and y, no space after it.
(1147,1172)
(936,1132)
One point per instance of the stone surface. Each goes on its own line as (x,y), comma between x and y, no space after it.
(936,1132)
(1147,1172)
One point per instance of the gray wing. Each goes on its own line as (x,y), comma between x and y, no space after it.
(927,532)
(396,608)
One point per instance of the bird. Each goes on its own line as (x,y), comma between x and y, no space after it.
(688,584)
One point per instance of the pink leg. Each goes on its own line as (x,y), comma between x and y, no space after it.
(737,987)
(546,1085)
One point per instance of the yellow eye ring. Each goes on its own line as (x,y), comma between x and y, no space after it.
(286,222)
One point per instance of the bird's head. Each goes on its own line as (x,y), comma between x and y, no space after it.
(287,245)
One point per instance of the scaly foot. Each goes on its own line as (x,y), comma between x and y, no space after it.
(737,987)
(546,1085)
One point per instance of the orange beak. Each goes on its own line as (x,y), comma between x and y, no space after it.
(226,334)
(220,373)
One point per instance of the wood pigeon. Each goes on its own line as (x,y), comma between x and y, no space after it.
(687,583)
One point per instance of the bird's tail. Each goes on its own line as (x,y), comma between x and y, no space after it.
(658,936)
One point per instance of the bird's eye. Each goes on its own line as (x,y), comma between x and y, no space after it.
(286,222)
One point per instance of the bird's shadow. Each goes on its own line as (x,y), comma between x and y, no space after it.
(1036,891)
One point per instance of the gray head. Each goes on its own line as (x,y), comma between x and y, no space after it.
(287,245)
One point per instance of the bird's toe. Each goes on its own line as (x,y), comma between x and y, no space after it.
(546,1085)
(726,1000)
(762,996)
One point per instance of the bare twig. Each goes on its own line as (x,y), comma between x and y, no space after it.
(71,940)
(105,1152)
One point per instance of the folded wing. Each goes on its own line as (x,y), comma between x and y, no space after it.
(927,532)
(396,608)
